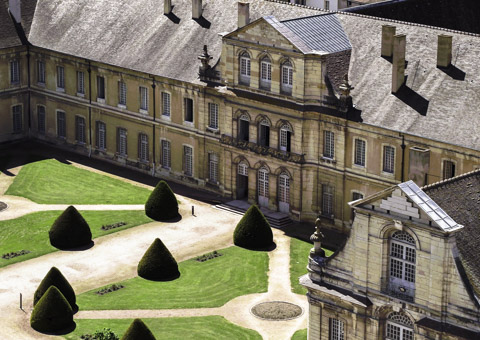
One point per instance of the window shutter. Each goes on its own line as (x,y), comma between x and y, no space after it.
(288,141)
(97,134)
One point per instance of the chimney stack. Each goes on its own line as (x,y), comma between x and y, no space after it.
(243,14)
(388,33)
(444,50)
(398,62)
(196,9)
(14,7)
(167,7)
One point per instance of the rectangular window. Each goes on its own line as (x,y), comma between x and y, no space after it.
(213,115)
(61,125)
(143,98)
(41,119)
(285,140)
(327,5)
(265,74)
(122,93)
(80,129)
(187,160)
(213,167)
(402,261)
(122,142)
(14,71)
(245,70)
(143,147)
(60,78)
(327,200)
(357,196)
(287,78)
(100,88)
(80,82)
(264,135)
(166,160)
(448,169)
(17,118)
(328,144)
(359,152)
(101,135)
(337,329)
(188,106)
(41,72)
(166,104)
(388,159)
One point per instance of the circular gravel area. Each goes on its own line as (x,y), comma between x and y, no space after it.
(276,310)
(3,206)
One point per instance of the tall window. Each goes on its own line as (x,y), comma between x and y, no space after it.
(166,104)
(399,327)
(143,147)
(100,89)
(284,188)
(41,119)
(287,78)
(122,142)
(143,98)
(17,118)
(402,260)
(101,130)
(187,160)
(448,169)
(245,68)
(122,93)
(265,73)
(328,144)
(327,5)
(213,167)
(388,159)
(264,133)
(80,82)
(166,160)
(285,133)
(41,72)
(359,158)
(243,128)
(188,107)
(60,78)
(213,115)
(327,200)
(80,129)
(263,182)
(337,329)
(61,125)
(14,71)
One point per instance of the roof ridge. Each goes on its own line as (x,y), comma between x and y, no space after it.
(452,179)
(307,17)
(302,6)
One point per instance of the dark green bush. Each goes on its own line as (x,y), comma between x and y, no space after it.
(158,264)
(70,230)
(138,330)
(55,278)
(52,313)
(162,203)
(253,231)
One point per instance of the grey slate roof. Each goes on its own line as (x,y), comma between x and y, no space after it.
(8,33)
(320,33)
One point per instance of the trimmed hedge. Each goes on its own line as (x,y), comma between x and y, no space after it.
(70,230)
(55,278)
(162,203)
(253,231)
(52,313)
(138,330)
(158,264)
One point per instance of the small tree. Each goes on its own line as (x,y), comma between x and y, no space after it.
(253,231)
(52,313)
(158,264)
(70,230)
(138,330)
(55,278)
(162,203)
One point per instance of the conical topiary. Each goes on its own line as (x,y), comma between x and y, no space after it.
(138,330)
(162,203)
(55,278)
(253,231)
(52,313)
(70,230)
(158,264)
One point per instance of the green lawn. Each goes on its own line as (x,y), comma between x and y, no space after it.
(30,232)
(299,251)
(50,181)
(300,335)
(194,328)
(201,284)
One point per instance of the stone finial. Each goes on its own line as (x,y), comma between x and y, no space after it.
(346,102)
(205,60)
(317,238)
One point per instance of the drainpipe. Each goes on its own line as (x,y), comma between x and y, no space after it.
(403,158)
(28,92)
(89,109)
(153,125)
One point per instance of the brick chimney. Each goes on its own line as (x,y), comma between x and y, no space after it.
(167,7)
(398,62)
(388,33)
(196,9)
(444,50)
(243,14)
(14,6)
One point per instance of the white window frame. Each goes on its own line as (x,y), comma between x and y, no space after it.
(287,77)
(143,99)
(17,119)
(336,329)
(449,168)
(245,68)
(213,161)
(388,164)
(41,72)
(402,259)
(285,130)
(166,154)
(242,168)
(14,72)
(284,188)
(122,94)
(188,160)
(263,182)
(328,144)
(265,73)
(360,152)
(399,327)
(328,197)
(60,78)
(80,130)
(213,116)
(143,148)
(122,142)
(61,120)
(41,119)
(166,105)
(101,135)
(101,99)
(80,83)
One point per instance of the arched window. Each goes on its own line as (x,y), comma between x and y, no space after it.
(243,128)
(285,133)
(265,73)
(242,169)
(399,327)
(284,188)
(264,133)
(263,187)
(287,77)
(245,68)
(402,258)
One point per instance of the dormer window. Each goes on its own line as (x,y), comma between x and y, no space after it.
(402,258)
(245,69)
(287,78)
(265,73)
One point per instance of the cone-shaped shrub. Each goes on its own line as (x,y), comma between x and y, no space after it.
(253,231)
(55,278)
(70,230)
(162,203)
(52,313)
(138,330)
(158,264)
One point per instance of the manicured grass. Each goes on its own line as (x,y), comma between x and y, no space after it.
(50,181)
(30,232)
(193,328)
(300,335)
(201,284)
(299,251)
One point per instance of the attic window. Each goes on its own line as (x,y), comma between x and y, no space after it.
(245,69)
